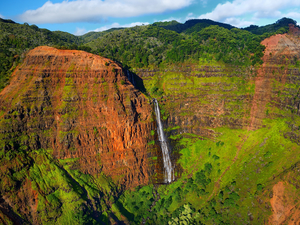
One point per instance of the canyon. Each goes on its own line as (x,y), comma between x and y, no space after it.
(80,141)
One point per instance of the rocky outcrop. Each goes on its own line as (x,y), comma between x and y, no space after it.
(74,134)
(285,206)
(279,71)
(79,106)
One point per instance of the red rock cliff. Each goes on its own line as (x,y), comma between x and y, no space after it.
(80,106)
(280,58)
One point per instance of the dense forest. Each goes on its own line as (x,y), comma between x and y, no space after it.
(153,45)
(163,43)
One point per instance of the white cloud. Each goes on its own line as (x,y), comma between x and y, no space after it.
(117,25)
(95,10)
(1,16)
(180,20)
(293,15)
(259,8)
(190,16)
(267,14)
(79,31)
(114,25)
(237,22)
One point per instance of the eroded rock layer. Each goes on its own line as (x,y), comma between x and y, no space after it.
(80,106)
(277,80)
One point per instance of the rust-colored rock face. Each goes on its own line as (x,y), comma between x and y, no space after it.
(281,51)
(285,207)
(81,105)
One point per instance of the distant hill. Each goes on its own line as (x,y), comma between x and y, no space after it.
(16,39)
(67,38)
(162,43)
(191,25)
(90,36)
(280,26)
(6,21)
(142,46)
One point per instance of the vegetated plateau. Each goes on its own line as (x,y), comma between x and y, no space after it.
(78,140)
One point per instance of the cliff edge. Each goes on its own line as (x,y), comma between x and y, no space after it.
(79,112)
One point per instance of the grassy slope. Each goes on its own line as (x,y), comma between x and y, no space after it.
(224,178)
(60,193)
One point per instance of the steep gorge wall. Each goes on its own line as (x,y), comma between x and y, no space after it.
(74,132)
(79,106)
(213,101)
(277,81)
(208,95)
(200,97)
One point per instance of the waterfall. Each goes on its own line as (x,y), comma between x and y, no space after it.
(168,170)
(130,77)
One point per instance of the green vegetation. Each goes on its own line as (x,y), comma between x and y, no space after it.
(62,193)
(225,171)
(16,39)
(154,45)
(281,26)
(165,43)
(208,203)
(190,25)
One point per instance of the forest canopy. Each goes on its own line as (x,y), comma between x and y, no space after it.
(153,45)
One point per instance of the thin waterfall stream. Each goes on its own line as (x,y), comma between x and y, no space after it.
(168,169)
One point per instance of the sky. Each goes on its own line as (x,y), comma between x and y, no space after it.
(81,16)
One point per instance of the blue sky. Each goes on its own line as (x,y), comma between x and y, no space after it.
(81,16)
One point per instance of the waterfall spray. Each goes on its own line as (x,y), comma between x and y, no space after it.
(168,169)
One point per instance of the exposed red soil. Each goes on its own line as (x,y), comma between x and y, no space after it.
(285,209)
(280,50)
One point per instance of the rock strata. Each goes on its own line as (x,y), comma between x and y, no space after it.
(79,106)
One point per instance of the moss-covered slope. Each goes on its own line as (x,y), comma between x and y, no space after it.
(235,137)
